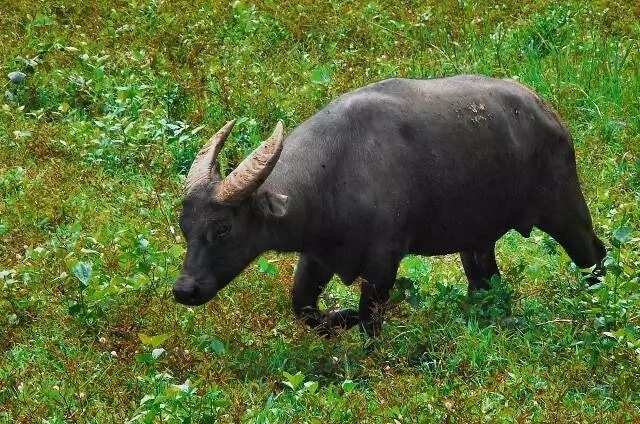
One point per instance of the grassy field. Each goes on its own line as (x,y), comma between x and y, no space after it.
(117,98)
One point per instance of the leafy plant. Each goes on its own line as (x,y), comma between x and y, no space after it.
(172,402)
(296,383)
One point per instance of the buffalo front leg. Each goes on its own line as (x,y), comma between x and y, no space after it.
(310,279)
(374,297)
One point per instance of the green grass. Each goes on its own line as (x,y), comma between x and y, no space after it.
(118,98)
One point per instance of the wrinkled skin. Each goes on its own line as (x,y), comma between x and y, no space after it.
(399,167)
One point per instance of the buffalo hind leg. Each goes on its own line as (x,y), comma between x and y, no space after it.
(310,279)
(582,245)
(479,266)
(571,226)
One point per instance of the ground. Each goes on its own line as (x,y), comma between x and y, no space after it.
(97,132)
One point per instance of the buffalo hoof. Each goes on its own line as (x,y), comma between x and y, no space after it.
(342,319)
(591,278)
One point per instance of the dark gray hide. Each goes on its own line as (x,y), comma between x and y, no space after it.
(401,166)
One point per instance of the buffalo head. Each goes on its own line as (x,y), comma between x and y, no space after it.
(223,220)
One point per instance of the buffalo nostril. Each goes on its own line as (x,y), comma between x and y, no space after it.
(185,290)
(182,293)
(178,293)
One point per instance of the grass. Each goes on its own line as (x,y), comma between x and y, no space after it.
(118,97)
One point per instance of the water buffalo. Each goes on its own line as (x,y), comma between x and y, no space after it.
(398,167)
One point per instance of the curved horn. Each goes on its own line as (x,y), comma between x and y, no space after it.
(252,171)
(203,166)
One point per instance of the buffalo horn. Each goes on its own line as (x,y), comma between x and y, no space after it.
(252,171)
(205,164)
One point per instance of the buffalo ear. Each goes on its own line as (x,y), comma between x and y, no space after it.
(271,204)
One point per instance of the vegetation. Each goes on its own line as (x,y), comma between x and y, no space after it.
(114,98)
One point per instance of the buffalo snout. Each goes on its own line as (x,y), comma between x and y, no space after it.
(188,291)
